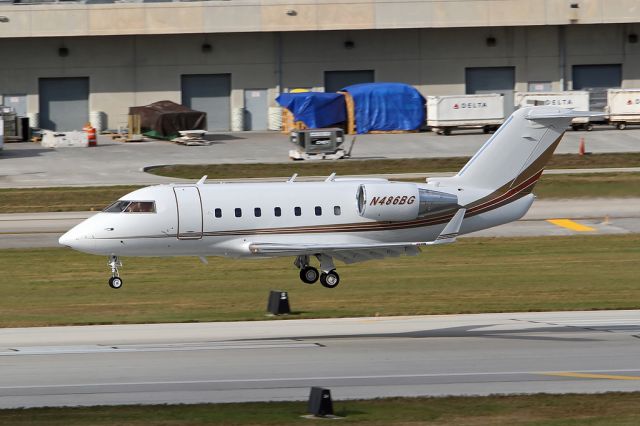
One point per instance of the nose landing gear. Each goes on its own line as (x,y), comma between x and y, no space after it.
(329,278)
(115,281)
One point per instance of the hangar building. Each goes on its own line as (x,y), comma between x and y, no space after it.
(62,60)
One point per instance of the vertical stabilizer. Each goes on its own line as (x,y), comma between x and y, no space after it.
(518,151)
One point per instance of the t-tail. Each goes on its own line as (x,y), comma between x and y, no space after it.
(506,168)
(516,154)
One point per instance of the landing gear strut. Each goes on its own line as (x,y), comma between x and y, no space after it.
(115,281)
(329,278)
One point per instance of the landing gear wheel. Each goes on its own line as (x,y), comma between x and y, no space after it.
(115,282)
(309,275)
(330,279)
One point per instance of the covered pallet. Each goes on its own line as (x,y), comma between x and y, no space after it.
(164,119)
(383,108)
(311,110)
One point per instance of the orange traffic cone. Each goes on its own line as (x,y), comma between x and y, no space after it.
(581,148)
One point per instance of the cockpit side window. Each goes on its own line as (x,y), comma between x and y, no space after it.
(128,206)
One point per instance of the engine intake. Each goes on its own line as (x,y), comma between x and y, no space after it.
(395,202)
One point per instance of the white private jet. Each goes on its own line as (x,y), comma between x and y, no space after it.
(350,220)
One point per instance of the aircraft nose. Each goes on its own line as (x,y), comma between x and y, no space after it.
(64,240)
(77,238)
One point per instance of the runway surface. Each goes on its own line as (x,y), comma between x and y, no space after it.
(602,216)
(356,358)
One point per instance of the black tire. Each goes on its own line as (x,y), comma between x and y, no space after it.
(486,130)
(621,126)
(575,127)
(446,131)
(588,127)
(309,275)
(115,282)
(330,279)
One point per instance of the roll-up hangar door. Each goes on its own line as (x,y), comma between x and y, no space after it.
(210,93)
(596,79)
(64,103)
(336,80)
(492,80)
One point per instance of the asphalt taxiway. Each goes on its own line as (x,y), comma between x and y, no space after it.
(481,354)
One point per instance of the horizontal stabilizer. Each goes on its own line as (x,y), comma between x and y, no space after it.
(548,113)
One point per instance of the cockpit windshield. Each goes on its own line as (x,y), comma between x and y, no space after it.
(128,206)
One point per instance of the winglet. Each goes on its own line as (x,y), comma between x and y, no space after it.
(450,232)
(202,180)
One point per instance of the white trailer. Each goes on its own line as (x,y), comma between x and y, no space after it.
(623,107)
(578,100)
(445,113)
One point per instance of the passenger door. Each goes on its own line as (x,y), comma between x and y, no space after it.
(189,212)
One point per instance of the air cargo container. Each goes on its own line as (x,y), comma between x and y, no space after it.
(623,107)
(446,113)
(578,100)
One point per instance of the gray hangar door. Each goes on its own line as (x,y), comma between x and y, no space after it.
(492,80)
(64,103)
(596,79)
(256,109)
(210,93)
(336,80)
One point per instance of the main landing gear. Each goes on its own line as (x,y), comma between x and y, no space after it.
(115,281)
(329,278)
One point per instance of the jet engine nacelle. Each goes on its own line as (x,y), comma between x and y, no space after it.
(395,202)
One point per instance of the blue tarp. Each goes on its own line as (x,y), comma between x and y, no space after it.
(386,107)
(315,109)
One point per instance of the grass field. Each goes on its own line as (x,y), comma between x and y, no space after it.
(96,198)
(362,167)
(617,409)
(60,286)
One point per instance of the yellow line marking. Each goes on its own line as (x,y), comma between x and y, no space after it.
(593,376)
(570,224)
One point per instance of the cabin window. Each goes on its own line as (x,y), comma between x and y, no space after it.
(337,211)
(218,213)
(297,211)
(277,211)
(238,212)
(318,211)
(128,206)
(257,212)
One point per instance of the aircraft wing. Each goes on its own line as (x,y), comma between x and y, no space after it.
(357,252)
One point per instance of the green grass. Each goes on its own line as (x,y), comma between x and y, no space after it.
(59,286)
(618,409)
(361,167)
(600,185)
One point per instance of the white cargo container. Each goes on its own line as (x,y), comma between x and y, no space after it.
(445,113)
(578,100)
(623,107)
(1,134)
(73,139)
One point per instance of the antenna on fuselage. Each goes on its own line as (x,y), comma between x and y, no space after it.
(202,179)
(292,178)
